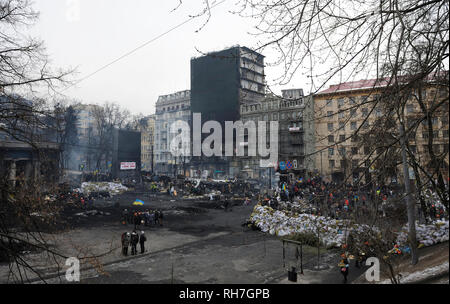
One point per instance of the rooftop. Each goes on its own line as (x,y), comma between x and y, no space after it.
(375,83)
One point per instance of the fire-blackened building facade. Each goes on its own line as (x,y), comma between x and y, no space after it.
(220,83)
(126,163)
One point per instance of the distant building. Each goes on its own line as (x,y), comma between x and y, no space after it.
(147,128)
(343,109)
(220,83)
(169,109)
(295,116)
(29,147)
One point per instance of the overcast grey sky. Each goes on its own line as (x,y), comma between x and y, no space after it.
(91,33)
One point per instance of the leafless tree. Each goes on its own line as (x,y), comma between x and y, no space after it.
(29,204)
(107,117)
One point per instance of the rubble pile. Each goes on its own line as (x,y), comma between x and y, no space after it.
(280,223)
(427,235)
(333,232)
(92,213)
(110,187)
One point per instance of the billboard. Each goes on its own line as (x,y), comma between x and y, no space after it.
(128,166)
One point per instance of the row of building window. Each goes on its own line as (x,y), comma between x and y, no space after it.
(440,93)
(272,105)
(267,117)
(367,151)
(173,108)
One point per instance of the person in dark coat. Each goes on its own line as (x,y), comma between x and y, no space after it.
(124,216)
(344,265)
(142,240)
(134,242)
(126,237)
(161,216)
(156,217)
(136,220)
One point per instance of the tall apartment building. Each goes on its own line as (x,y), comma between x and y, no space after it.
(343,109)
(147,128)
(294,113)
(220,83)
(169,109)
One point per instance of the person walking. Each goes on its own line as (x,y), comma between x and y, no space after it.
(124,216)
(344,265)
(161,216)
(142,240)
(134,242)
(125,243)
(156,215)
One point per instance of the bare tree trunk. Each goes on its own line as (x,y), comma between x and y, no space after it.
(409,203)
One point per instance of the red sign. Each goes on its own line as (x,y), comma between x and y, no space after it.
(128,166)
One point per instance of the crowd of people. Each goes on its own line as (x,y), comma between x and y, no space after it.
(146,218)
(330,199)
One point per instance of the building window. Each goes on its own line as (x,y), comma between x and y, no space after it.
(445,133)
(366,151)
(413,149)
(341,115)
(409,108)
(437,148)
(353,112)
(329,102)
(354,150)
(353,126)
(365,112)
(341,138)
(330,127)
(329,113)
(330,151)
(332,164)
(342,151)
(330,139)
(340,102)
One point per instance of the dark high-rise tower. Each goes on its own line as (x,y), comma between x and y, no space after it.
(220,83)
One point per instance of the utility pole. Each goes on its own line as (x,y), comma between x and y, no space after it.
(409,203)
(321,164)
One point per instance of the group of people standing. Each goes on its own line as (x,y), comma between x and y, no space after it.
(146,218)
(133,239)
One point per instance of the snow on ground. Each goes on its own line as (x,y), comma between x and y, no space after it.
(333,232)
(112,188)
(422,274)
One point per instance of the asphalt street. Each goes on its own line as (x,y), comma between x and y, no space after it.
(221,251)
